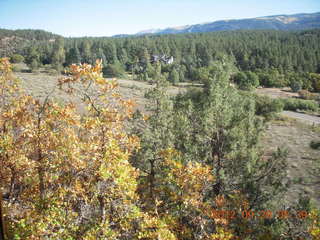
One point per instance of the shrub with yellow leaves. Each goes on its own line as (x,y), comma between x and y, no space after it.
(314,229)
(66,175)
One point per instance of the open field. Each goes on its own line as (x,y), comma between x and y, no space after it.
(302,117)
(296,137)
(41,84)
(276,92)
(294,132)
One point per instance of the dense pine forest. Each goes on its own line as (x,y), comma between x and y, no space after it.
(267,58)
(192,166)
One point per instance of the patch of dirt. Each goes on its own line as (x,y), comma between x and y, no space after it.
(302,117)
(40,84)
(276,92)
(296,138)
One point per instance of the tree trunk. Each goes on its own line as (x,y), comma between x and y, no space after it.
(151,179)
(2,229)
(40,167)
(217,153)
(2,225)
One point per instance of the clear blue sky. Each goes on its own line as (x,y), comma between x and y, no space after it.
(109,17)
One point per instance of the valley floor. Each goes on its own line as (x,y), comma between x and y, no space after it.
(296,137)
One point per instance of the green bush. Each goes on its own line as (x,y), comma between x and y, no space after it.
(267,106)
(16,68)
(16,58)
(315,79)
(47,67)
(174,77)
(113,70)
(246,80)
(315,144)
(272,78)
(295,86)
(293,104)
(34,65)
(299,80)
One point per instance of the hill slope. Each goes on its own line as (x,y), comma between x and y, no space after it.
(12,41)
(278,22)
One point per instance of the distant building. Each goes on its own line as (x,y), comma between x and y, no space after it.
(163,58)
(170,60)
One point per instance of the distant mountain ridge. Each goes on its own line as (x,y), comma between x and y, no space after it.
(299,21)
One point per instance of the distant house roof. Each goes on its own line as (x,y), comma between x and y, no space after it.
(163,58)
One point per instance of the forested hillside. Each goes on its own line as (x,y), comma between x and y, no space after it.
(267,58)
(12,41)
(28,34)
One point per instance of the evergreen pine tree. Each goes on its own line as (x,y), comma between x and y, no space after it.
(223,132)
(73,56)
(174,77)
(58,55)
